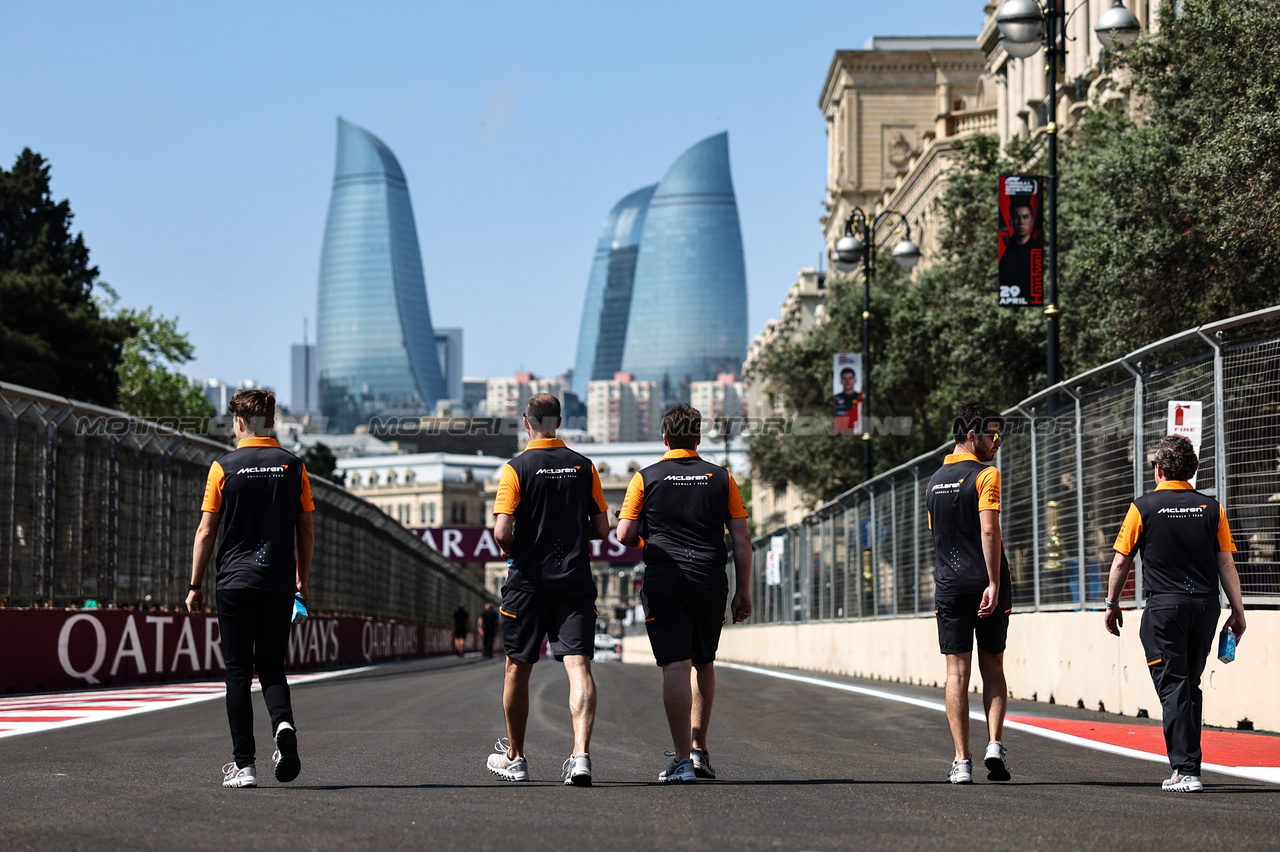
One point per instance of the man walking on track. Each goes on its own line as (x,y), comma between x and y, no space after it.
(263,493)
(487,623)
(681,506)
(461,624)
(548,507)
(971,576)
(1186,549)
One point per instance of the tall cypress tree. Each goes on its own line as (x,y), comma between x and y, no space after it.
(53,337)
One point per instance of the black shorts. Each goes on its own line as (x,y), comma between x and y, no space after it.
(683,618)
(566,617)
(958,623)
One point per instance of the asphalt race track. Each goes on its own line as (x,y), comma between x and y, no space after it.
(393,757)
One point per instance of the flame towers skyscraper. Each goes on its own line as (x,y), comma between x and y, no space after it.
(375,345)
(667,297)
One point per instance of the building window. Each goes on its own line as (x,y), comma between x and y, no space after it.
(432,512)
(422,513)
(462,513)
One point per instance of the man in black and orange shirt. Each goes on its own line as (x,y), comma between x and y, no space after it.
(263,493)
(971,579)
(681,506)
(1186,549)
(548,507)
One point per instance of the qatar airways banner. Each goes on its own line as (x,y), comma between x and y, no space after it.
(476,544)
(58,649)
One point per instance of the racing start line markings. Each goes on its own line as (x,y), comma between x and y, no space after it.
(1252,756)
(28,714)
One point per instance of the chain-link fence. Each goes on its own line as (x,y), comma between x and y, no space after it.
(1073,458)
(95,505)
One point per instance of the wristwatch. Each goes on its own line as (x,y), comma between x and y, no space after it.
(1113,604)
(195,587)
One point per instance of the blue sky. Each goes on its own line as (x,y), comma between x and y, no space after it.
(196,143)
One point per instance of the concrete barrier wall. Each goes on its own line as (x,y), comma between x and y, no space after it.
(1068,656)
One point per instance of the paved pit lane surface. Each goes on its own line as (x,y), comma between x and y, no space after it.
(393,757)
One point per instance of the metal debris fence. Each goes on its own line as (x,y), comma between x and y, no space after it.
(96,505)
(1073,458)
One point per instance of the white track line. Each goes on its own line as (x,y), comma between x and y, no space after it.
(51,711)
(1269,774)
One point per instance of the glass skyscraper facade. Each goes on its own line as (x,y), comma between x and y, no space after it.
(376,348)
(667,296)
(608,305)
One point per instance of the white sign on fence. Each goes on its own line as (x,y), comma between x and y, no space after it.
(1186,418)
(772,569)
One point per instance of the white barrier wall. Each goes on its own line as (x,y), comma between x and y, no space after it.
(1067,655)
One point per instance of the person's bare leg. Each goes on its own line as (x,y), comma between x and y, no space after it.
(703,684)
(958,667)
(582,701)
(515,703)
(995,694)
(677,697)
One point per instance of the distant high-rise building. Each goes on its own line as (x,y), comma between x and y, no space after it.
(725,397)
(604,317)
(376,351)
(449,350)
(688,318)
(623,409)
(305,385)
(219,394)
(507,397)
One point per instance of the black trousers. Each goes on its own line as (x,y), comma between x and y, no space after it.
(1177,633)
(488,639)
(255,633)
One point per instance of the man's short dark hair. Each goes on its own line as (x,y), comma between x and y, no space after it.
(1176,457)
(846,370)
(257,408)
(976,417)
(682,427)
(543,412)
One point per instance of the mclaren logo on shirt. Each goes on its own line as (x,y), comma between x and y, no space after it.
(558,472)
(947,486)
(1183,511)
(689,479)
(260,471)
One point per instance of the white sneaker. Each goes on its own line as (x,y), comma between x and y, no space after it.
(285,759)
(1179,783)
(677,772)
(508,768)
(961,772)
(997,761)
(702,763)
(233,776)
(577,770)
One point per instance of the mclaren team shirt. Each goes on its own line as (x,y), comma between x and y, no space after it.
(683,503)
(552,493)
(259,489)
(957,492)
(1179,532)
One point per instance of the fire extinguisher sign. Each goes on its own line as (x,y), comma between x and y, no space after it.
(1186,419)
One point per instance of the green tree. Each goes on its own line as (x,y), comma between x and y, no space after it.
(53,336)
(320,460)
(149,384)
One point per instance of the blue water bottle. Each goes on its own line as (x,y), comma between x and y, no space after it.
(1227,646)
(299,609)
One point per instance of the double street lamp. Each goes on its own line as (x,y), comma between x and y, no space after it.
(1025,27)
(861,244)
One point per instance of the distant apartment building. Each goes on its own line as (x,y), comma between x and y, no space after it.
(506,397)
(725,397)
(219,393)
(623,409)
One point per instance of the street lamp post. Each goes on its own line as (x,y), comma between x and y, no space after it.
(848,249)
(1025,27)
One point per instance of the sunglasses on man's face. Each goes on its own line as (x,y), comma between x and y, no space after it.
(994,436)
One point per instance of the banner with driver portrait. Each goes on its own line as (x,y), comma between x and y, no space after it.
(847,389)
(1020,247)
